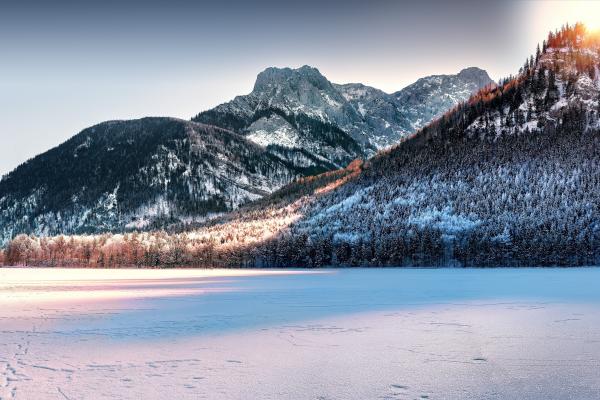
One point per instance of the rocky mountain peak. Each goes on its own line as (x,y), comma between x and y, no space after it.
(280,77)
(477,75)
(299,108)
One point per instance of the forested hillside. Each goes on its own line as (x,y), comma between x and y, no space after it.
(138,174)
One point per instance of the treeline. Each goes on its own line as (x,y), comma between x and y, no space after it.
(158,249)
(517,202)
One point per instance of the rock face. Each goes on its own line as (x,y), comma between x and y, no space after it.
(300,109)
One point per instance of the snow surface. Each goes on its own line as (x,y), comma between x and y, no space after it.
(347,334)
(444,220)
(274,130)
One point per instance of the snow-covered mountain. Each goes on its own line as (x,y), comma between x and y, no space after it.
(429,97)
(293,109)
(509,178)
(381,120)
(139,174)
(301,109)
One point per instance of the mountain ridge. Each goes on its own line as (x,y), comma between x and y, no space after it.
(371,117)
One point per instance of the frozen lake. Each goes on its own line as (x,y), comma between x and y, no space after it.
(294,334)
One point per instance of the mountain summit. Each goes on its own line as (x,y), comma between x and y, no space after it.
(293,78)
(295,109)
(475,76)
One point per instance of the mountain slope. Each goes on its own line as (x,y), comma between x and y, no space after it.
(136,173)
(300,108)
(381,119)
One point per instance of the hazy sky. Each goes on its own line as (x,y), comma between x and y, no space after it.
(66,65)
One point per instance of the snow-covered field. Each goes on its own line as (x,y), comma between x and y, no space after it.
(344,334)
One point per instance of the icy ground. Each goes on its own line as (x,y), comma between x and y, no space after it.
(347,334)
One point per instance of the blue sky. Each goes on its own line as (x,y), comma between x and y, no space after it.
(67,65)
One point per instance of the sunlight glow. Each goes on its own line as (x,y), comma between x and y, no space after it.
(553,14)
(589,14)
(42,285)
(22,275)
